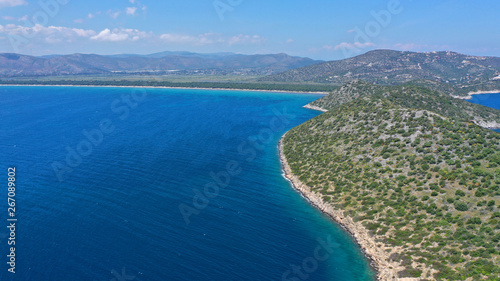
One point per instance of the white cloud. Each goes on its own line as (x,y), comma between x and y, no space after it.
(289,41)
(39,34)
(91,16)
(350,46)
(13,29)
(132,1)
(107,35)
(83,32)
(131,10)
(12,3)
(78,21)
(8,18)
(117,35)
(50,34)
(23,18)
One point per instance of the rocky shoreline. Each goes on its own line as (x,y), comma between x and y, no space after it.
(379,258)
(488,124)
(315,108)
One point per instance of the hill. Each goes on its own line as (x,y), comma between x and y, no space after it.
(412,96)
(409,176)
(16,65)
(386,67)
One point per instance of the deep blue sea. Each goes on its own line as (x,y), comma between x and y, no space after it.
(490,100)
(117,184)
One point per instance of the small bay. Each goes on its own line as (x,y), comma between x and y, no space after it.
(489,100)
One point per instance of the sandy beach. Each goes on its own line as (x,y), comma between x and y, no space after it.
(163,87)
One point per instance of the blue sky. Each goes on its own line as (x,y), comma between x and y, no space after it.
(320,29)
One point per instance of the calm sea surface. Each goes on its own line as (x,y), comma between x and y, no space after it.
(160,184)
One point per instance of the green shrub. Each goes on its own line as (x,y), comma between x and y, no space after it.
(474,220)
(479,193)
(461,206)
(495,158)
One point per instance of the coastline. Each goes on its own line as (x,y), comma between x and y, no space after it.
(164,87)
(492,125)
(378,257)
(470,94)
(315,108)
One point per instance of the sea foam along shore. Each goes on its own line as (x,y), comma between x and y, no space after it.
(379,258)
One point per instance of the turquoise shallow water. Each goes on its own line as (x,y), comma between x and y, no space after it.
(104,176)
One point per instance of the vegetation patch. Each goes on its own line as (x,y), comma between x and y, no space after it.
(422,178)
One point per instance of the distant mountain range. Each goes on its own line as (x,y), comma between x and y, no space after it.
(438,70)
(16,65)
(446,72)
